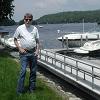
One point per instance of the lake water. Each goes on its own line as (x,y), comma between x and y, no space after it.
(49,34)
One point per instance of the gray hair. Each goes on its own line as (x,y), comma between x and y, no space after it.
(28,15)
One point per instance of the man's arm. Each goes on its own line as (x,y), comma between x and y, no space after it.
(21,50)
(37,47)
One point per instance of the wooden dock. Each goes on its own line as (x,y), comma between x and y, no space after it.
(81,74)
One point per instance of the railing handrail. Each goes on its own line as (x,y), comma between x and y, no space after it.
(77,60)
(53,59)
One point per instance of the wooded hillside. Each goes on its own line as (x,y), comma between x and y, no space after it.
(71,17)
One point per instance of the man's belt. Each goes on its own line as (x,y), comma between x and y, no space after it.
(31,50)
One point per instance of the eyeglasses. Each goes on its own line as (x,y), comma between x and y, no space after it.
(28,19)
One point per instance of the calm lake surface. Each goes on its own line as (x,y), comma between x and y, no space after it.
(48,33)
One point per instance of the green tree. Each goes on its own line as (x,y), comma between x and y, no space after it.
(6,10)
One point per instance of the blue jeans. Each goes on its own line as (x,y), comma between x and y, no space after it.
(25,60)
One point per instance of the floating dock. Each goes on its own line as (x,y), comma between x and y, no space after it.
(82,74)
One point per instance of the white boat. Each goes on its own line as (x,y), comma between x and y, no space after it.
(89,47)
(8,42)
(40,26)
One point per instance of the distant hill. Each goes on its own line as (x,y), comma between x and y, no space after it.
(70,17)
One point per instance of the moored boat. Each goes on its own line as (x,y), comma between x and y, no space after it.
(89,47)
(9,42)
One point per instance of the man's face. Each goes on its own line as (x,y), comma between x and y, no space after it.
(28,21)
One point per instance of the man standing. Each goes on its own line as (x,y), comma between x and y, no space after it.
(28,51)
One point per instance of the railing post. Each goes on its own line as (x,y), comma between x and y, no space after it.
(62,42)
(52,60)
(76,70)
(71,70)
(64,63)
(84,75)
(55,58)
(45,55)
(92,77)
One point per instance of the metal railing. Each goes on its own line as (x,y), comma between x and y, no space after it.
(79,69)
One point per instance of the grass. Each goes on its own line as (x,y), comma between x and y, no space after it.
(9,71)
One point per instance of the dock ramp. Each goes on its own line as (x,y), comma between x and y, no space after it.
(81,74)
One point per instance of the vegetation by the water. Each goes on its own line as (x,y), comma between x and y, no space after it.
(71,17)
(9,71)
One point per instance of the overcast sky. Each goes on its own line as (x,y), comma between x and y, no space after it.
(42,7)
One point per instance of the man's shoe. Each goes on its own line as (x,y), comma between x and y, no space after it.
(31,91)
(20,93)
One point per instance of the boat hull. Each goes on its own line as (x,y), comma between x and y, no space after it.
(92,47)
(9,42)
(75,42)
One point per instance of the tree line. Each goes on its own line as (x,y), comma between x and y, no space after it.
(71,17)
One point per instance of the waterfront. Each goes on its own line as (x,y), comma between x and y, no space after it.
(48,33)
